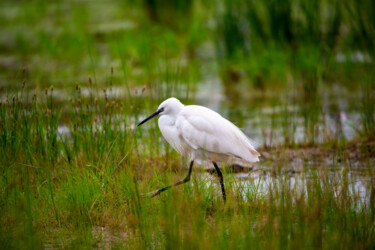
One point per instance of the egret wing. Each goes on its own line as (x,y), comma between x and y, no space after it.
(196,131)
(205,129)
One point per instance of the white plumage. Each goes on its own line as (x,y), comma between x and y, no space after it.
(202,135)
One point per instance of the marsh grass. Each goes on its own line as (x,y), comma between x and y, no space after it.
(82,188)
(73,164)
(367,108)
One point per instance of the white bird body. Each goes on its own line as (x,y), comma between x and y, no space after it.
(202,134)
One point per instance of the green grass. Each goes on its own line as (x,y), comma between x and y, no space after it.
(81,189)
(76,78)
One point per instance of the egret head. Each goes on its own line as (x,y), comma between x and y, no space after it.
(171,106)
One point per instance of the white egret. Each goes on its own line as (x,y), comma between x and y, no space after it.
(200,134)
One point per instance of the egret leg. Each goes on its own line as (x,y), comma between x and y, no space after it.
(221,179)
(187,178)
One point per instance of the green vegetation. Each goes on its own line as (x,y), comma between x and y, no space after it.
(76,77)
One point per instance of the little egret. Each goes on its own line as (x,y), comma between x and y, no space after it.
(201,134)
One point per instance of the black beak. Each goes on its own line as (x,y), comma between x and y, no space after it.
(151,116)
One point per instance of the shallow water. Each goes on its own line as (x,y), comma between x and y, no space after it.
(264,117)
(264,123)
(358,186)
(263,182)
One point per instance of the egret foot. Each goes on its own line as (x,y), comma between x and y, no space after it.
(159,191)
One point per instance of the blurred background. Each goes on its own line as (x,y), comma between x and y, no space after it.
(286,71)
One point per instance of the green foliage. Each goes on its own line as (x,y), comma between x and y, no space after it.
(81,188)
(73,164)
(367,108)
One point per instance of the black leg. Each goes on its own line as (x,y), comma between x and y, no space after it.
(187,178)
(221,179)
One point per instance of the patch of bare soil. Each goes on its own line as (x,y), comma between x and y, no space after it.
(356,153)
